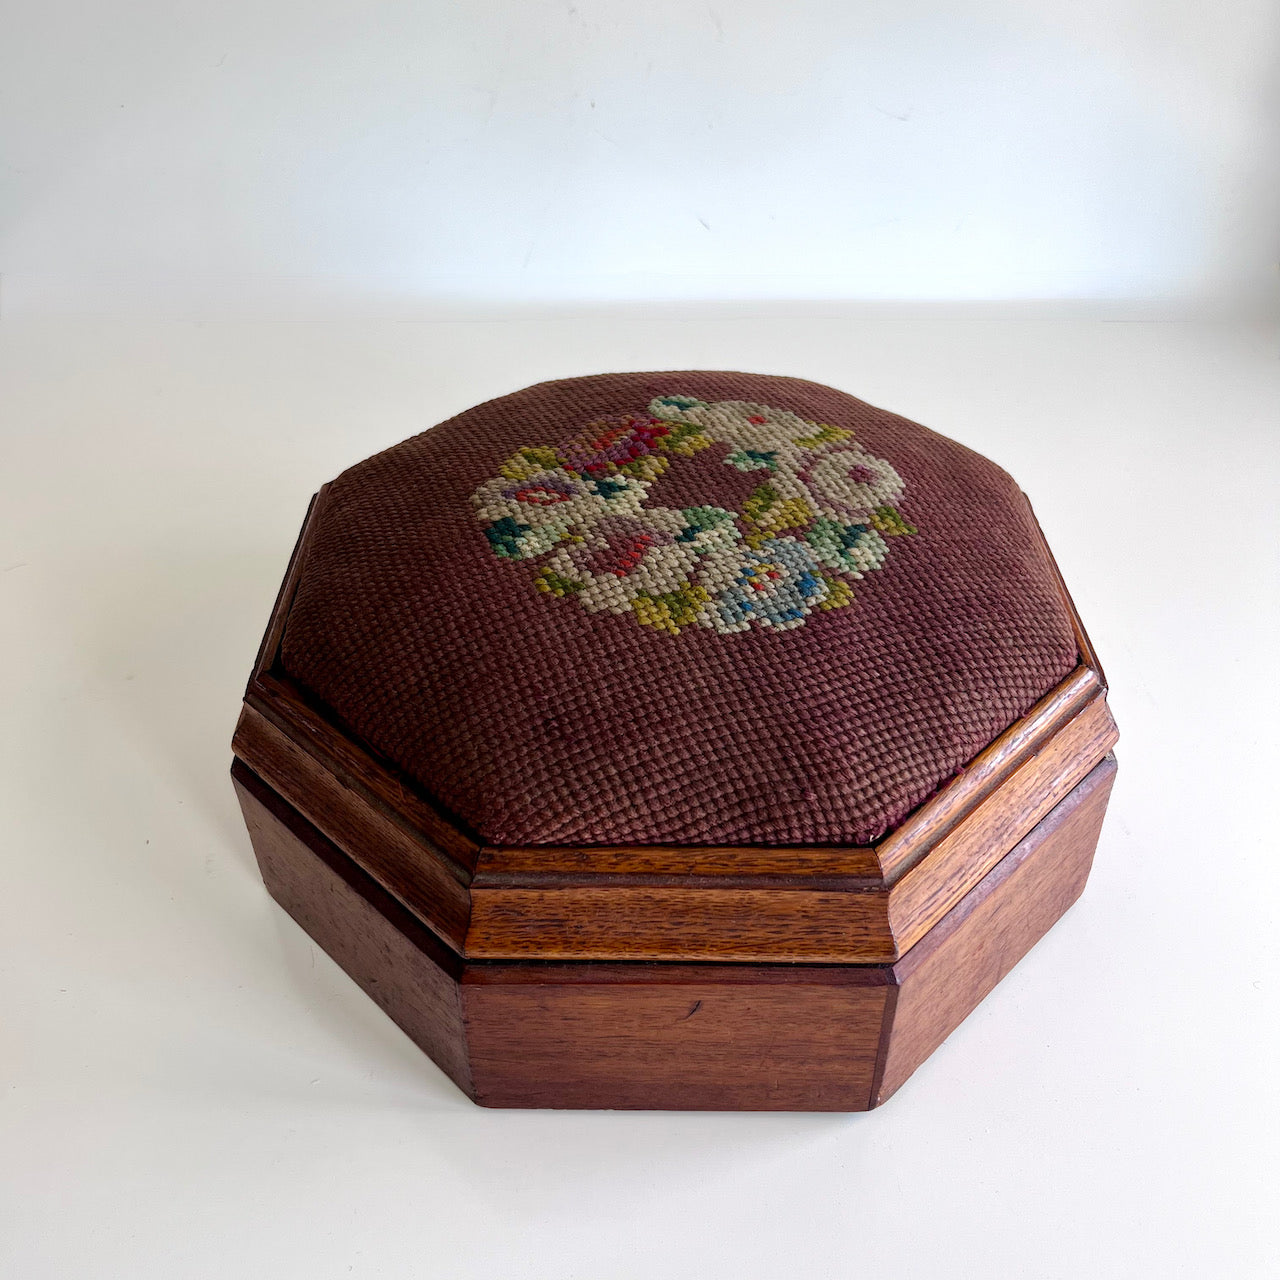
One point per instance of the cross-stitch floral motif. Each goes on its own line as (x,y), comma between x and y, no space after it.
(818,518)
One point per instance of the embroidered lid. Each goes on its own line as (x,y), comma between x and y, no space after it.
(682,608)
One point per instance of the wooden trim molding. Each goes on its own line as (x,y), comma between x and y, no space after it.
(818,905)
(689,1036)
(644,915)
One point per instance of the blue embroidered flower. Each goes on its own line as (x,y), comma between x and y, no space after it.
(776,586)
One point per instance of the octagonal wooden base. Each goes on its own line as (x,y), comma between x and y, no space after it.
(723,1036)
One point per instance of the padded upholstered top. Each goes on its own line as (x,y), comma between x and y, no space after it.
(677,608)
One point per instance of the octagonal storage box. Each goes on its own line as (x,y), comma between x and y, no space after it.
(675,740)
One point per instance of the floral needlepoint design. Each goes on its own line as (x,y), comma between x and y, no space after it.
(818,519)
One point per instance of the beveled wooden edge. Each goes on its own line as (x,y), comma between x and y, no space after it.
(801,924)
(421,876)
(277,699)
(957,862)
(675,918)
(849,867)
(519,1033)
(816,904)
(912,839)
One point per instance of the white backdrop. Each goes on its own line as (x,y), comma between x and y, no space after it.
(426,158)
(188,1086)
(191,1090)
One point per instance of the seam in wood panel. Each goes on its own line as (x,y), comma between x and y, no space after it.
(479,971)
(645,880)
(886,1031)
(564,864)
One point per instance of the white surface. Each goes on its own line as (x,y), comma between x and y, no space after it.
(188,1088)
(398,158)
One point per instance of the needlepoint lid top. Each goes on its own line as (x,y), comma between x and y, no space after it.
(686,608)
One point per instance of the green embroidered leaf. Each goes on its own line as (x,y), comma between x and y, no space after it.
(890,523)
(529,461)
(767,514)
(671,610)
(825,435)
(752,460)
(541,456)
(681,402)
(649,467)
(706,517)
(839,593)
(552,583)
(758,503)
(683,439)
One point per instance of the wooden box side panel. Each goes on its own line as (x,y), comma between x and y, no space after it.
(680,924)
(390,955)
(718,1037)
(679,1043)
(948,974)
(675,1036)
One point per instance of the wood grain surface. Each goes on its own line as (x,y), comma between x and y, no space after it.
(398,856)
(958,861)
(944,978)
(643,923)
(393,958)
(680,1044)
(721,1036)
(660,916)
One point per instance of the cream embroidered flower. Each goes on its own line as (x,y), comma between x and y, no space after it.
(621,558)
(748,425)
(847,483)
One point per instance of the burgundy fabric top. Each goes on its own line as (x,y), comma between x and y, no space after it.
(677,608)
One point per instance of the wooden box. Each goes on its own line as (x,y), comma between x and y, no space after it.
(676,740)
